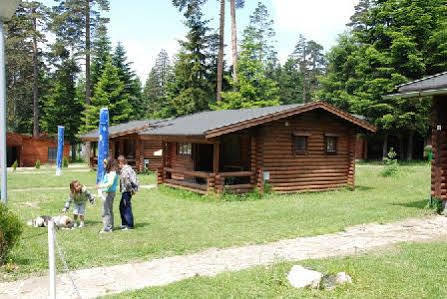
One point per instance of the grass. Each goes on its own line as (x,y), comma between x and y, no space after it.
(169,222)
(406,271)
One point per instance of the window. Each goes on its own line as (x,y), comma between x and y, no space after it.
(300,141)
(184,149)
(52,154)
(331,144)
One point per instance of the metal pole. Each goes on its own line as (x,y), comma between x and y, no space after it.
(52,259)
(4,195)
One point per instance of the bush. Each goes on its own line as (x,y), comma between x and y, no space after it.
(391,166)
(11,229)
(37,164)
(65,162)
(14,165)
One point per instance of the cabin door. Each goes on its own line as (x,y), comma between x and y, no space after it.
(203,157)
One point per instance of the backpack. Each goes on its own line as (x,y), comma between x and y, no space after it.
(134,182)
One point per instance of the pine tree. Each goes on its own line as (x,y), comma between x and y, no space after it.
(253,87)
(132,85)
(73,22)
(311,62)
(101,52)
(62,105)
(233,5)
(109,92)
(155,89)
(25,32)
(290,81)
(190,91)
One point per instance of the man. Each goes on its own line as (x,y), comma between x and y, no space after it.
(128,187)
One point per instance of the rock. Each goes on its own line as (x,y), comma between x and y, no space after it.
(300,277)
(330,282)
(342,278)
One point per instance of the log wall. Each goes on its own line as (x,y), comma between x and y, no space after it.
(314,170)
(439,144)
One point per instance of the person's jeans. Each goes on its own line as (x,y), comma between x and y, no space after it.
(107,211)
(126,210)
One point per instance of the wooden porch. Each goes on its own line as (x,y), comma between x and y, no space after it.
(222,176)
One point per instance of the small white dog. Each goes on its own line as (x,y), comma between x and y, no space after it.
(62,221)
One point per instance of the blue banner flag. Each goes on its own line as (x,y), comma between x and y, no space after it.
(103,143)
(60,149)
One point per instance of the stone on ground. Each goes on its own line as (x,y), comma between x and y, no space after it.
(300,277)
(330,282)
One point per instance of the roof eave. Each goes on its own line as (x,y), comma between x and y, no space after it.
(283,114)
(416,94)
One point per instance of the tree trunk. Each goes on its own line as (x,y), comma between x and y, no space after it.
(35,80)
(234,37)
(401,147)
(410,146)
(88,90)
(73,152)
(385,146)
(221,51)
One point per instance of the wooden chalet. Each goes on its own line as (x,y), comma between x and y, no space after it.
(124,140)
(26,150)
(435,87)
(293,148)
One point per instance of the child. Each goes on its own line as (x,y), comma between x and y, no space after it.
(109,186)
(79,196)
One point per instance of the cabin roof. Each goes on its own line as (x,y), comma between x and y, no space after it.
(427,86)
(215,123)
(130,127)
(427,83)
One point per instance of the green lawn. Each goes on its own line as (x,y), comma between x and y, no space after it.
(406,271)
(169,222)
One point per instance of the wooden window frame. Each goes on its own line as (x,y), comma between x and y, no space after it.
(295,136)
(335,137)
(181,149)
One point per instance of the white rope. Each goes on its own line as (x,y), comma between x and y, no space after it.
(66,268)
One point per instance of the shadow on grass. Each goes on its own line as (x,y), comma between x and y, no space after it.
(363,188)
(141,224)
(419,204)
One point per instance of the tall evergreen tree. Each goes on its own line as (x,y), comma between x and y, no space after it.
(132,85)
(109,92)
(253,87)
(73,23)
(290,82)
(101,52)
(311,63)
(391,42)
(62,105)
(191,91)
(25,38)
(155,89)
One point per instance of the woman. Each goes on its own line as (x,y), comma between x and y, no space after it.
(108,187)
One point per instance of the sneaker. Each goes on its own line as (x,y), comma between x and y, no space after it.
(75,225)
(81,224)
(104,231)
(125,228)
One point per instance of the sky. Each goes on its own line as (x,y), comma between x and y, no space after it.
(145,27)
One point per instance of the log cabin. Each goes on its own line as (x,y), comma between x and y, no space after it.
(124,140)
(26,150)
(435,87)
(293,148)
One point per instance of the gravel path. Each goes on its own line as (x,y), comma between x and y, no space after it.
(116,279)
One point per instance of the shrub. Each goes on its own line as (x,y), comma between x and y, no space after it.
(391,166)
(37,164)
(428,152)
(10,231)
(65,162)
(14,165)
